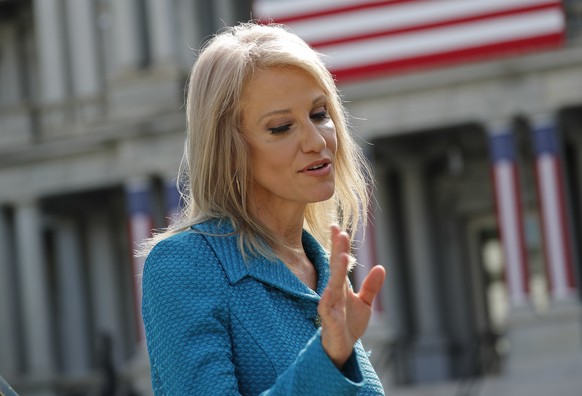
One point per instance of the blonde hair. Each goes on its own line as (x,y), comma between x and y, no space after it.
(215,174)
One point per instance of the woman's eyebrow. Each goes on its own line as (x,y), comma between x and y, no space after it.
(320,98)
(282,111)
(317,100)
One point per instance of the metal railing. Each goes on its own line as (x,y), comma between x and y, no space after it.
(6,389)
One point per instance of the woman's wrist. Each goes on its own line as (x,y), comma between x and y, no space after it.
(338,355)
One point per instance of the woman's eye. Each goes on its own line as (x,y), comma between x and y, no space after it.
(320,116)
(280,129)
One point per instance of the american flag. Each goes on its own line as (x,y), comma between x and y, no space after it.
(509,210)
(140,225)
(173,202)
(366,256)
(552,206)
(364,39)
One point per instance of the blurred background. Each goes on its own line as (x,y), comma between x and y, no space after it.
(469,111)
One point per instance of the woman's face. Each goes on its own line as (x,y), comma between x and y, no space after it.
(292,139)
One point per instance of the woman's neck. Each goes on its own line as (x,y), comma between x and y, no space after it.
(285,223)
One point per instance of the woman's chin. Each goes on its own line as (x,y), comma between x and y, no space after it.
(323,195)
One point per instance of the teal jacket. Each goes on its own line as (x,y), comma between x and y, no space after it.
(216,325)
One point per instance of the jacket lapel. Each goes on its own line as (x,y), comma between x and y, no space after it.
(219,234)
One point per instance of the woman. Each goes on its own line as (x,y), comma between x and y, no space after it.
(240,295)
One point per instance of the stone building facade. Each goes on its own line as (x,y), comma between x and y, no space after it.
(91,133)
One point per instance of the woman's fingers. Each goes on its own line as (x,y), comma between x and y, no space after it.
(339,258)
(372,284)
(333,301)
(344,314)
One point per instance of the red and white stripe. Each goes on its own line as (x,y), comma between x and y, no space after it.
(509,213)
(368,38)
(140,225)
(366,257)
(552,206)
(172,200)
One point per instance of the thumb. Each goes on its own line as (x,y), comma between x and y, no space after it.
(372,284)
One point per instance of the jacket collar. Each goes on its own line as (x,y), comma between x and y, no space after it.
(219,234)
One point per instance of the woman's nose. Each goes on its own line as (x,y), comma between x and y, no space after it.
(312,139)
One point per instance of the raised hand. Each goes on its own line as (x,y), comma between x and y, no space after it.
(344,313)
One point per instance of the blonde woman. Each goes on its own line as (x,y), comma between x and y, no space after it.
(247,292)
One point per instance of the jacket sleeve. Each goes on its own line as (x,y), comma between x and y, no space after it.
(185,312)
(313,373)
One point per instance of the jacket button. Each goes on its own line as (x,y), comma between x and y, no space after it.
(317,321)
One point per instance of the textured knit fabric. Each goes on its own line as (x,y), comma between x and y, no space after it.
(216,325)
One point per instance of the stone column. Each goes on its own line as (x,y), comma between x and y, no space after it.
(554,209)
(385,236)
(81,21)
(162,31)
(139,208)
(74,329)
(539,339)
(190,34)
(366,253)
(8,302)
(107,307)
(172,199)
(429,361)
(507,190)
(225,12)
(34,291)
(385,328)
(125,31)
(17,127)
(82,34)
(11,76)
(53,67)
